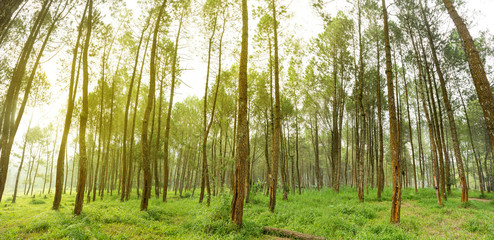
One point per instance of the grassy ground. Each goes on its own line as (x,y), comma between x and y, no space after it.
(324,213)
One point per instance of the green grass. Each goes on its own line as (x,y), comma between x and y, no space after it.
(322,213)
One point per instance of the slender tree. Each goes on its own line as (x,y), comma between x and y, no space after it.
(81,182)
(170,103)
(68,118)
(277,117)
(393,129)
(449,110)
(242,152)
(482,85)
(146,191)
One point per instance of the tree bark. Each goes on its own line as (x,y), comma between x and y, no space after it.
(482,85)
(449,111)
(275,148)
(205,172)
(169,113)
(393,129)
(146,190)
(126,116)
(242,152)
(68,120)
(10,102)
(84,116)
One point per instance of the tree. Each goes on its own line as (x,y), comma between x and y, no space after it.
(81,182)
(393,129)
(277,117)
(242,151)
(68,118)
(8,125)
(126,117)
(211,15)
(482,85)
(146,192)
(184,8)
(449,110)
(8,7)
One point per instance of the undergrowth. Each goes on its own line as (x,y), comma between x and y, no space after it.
(323,213)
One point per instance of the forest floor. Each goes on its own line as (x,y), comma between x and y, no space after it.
(322,213)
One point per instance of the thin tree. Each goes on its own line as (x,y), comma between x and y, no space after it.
(482,85)
(68,119)
(242,153)
(126,116)
(10,100)
(277,117)
(393,129)
(449,110)
(84,116)
(205,172)
(146,191)
(170,105)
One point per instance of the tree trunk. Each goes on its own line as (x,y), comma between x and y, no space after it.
(482,85)
(449,111)
(205,172)
(126,117)
(429,122)
(275,148)
(22,161)
(128,184)
(360,111)
(146,190)
(84,116)
(169,113)
(242,153)
(380,162)
(477,161)
(10,102)
(393,132)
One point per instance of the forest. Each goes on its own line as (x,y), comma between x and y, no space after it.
(236,119)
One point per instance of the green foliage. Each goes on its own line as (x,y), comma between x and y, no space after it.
(322,213)
(36,202)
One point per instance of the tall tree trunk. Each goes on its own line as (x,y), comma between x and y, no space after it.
(10,102)
(482,85)
(169,112)
(84,116)
(360,111)
(477,161)
(316,154)
(409,124)
(146,190)
(128,185)
(155,163)
(335,130)
(380,162)
(449,110)
(22,161)
(275,148)
(393,129)
(297,152)
(435,169)
(242,153)
(126,116)
(205,172)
